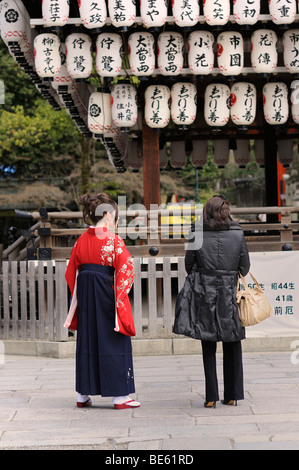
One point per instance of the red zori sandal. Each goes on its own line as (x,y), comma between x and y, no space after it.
(126,405)
(84,404)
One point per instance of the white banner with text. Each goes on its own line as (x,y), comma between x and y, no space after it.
(278,274)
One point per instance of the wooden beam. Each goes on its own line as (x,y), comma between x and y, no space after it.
(151,166)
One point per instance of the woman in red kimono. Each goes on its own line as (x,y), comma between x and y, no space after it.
(100,274)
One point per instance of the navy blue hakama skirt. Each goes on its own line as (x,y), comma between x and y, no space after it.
(104,364)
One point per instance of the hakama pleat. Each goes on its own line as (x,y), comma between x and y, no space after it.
(104,364)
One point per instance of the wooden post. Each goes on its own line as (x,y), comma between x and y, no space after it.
(151,191)
(151,166)
(270,149)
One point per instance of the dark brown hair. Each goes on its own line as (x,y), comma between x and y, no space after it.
(216,212)
(92,212)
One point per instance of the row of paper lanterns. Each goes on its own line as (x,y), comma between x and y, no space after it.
(170,60)
(186,13)
(161,104)
(15,27)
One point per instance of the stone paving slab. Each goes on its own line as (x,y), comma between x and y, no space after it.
(37,407)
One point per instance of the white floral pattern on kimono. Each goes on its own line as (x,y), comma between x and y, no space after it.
(114,253)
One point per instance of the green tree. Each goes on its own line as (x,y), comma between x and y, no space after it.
(38,144)
(34,138)
(19,89)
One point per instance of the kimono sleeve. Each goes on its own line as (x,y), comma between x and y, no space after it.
(71,270)
(71,276)
(124,278)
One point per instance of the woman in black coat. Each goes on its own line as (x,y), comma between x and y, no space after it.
(222,255)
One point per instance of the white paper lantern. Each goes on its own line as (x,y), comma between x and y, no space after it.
(157,106)
(63,82)
(216,12)
(185,12)
(79,55)
(243,103)
(282,11)
(55,13)
(170,53)
(263,51)
(153,13)
(17,34)
(200,52)
(230,53)
(217,104)
(295,101)
(183,103)
(290,42)
(122,13)
(99,112)
(246,11)
(47,55)
(15,23)
(141,53)
(124,105)
(109,54)
(275,103)
(93,13)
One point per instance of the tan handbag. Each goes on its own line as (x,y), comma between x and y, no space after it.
(253,305)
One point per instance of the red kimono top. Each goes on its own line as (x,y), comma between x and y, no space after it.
(100,246)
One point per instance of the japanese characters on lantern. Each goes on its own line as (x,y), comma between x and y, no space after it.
(93,13)
(122,13)
(246,11)
(124,105)
(141,53)
(217,104)
(275,103)
(216,12)
(282,11)
(109,54)
(230,53)
(153,13)
(263,51)
(295,101)
(290,42)
(243,103)
(157,106)
(200,52)
(47,55)
(79,55)
(183,103)
(55,13)
(185,12)
(170,53)
(99,112)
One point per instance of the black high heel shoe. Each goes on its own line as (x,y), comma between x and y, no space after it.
(210,404)
(229,402)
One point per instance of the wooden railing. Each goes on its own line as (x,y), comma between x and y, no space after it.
(50,240)
(34,298)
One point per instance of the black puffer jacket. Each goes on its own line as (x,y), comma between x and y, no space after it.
(213,286)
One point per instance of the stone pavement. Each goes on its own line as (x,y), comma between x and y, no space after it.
(37,407)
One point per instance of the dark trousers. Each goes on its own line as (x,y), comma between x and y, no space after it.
(232,370)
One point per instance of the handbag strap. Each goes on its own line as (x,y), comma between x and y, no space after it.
(244,281)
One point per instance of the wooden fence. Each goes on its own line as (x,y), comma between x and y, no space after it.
(34,298)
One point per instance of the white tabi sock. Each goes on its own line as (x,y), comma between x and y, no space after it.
(120,400)
(82,398)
